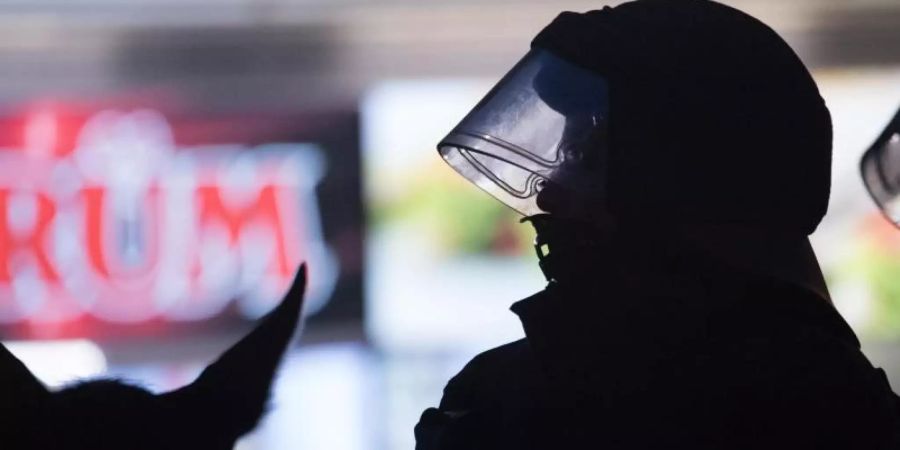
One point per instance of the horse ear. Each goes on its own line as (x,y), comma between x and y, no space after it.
(18,386)
(232,392)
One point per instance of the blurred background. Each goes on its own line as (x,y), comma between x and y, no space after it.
(166,164)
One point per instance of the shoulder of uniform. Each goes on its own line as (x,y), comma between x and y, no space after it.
(463,385)
(503,353)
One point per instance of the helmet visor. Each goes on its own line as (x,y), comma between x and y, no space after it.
(545,121)
(880,167)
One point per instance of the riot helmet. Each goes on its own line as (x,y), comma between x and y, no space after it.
(880,167)
(675,113)
(697,113)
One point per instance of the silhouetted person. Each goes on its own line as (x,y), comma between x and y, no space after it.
(673,156)
(224,403)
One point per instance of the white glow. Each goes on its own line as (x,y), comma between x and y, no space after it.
(57,363)
(320,401)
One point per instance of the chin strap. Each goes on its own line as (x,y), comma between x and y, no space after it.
(562,247)
(541,244)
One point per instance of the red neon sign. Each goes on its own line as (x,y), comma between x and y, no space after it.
(127,226)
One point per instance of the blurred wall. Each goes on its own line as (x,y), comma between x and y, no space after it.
(310,52)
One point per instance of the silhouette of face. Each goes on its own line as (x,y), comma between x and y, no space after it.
(568,205)
(583,146)
(224,403)
(546,119)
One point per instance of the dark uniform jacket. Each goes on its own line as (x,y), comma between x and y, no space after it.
(762,366)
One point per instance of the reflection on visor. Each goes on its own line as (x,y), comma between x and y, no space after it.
(545,120)
(511,183)
(526,181)
(881,171)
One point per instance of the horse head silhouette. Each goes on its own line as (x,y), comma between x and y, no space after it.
(225,402)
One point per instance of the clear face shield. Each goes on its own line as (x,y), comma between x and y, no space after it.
(544,123)
(880,168)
